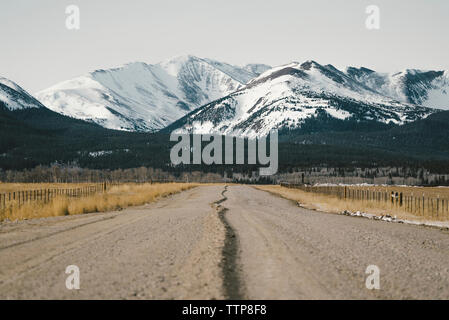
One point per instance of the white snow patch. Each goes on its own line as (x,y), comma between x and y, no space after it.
(394,219)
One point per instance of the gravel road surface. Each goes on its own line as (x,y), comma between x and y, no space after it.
(216,242)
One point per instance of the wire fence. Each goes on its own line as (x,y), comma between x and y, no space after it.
(19,198)
(46,195)
(403,199)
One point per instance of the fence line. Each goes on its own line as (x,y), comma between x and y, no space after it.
(19,198)
(417,204)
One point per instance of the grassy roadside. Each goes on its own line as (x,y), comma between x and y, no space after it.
(117,197)
(327,203)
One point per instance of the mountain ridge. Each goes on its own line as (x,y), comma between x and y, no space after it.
(143,97)
(15,97)
(284,96)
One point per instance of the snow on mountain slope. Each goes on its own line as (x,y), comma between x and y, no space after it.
(427,88)
(14,97)
(283,97)
(257,68)
(240,74)
(203,80)
(143,97)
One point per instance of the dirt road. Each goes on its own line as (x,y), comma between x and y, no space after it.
(212,243)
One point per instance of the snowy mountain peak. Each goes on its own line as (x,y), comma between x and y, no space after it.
(136,65)
(308,64)
(174,65)
(143,97)
(274,73)
(10,84)
(314,76)
(422,87)
(13,97)
(358,72)
(286,96)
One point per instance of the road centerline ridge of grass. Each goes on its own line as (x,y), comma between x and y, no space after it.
(232,283)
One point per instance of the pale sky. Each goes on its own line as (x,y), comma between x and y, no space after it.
(37,50)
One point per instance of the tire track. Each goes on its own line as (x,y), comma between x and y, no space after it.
(102,219)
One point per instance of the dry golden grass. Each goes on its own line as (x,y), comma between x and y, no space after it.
(117,197)
(333,204)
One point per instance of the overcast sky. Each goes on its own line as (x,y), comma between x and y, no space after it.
(37,50)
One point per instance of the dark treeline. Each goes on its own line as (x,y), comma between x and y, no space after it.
(70,174)
(306,175)
(35,139)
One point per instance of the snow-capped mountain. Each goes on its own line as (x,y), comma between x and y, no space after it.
(283,97)
(13,97)
(144,97)
(426,88)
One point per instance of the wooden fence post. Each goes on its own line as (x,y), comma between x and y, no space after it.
(437,205)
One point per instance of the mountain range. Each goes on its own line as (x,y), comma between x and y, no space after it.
(285,96)
(325,115)
(192,94)
(144,97)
